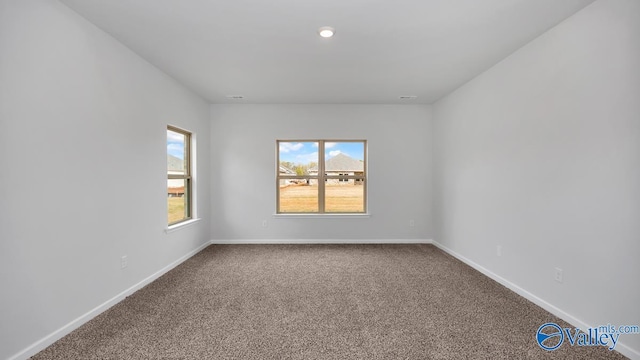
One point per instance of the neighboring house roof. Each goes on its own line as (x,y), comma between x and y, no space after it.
(174,163)
(286,171)
(342,162)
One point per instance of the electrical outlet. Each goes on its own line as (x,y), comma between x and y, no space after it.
(412,223)
(558,275)
(264,223)
(499,250)
(123,262)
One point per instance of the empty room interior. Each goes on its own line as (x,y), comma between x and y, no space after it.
(319,180)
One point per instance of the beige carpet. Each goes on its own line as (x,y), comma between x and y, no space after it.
(319,302)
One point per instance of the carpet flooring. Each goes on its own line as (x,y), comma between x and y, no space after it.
(319,302)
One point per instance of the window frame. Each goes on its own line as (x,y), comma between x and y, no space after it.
(187,176)
(322,178)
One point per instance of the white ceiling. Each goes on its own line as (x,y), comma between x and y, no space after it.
(270,52)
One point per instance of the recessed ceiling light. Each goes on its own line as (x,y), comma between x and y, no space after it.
(235,97)
(326,31)
(407,97)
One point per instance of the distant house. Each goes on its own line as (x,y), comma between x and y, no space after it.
(342,165)
(286,171)
(175,166)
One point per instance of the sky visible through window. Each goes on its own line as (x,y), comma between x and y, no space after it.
(306,152)
(175,144)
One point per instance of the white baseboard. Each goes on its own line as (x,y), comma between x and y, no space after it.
(574,321)
(321,241)
(58,334)
(67,329)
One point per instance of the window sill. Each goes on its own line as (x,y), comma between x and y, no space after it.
(178,226)
(321,216)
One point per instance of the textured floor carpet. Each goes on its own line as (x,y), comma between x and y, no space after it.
(319,302)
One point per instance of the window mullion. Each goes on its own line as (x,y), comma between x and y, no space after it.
(321,177)
(179,177)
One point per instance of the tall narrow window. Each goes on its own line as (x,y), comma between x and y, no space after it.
(179,182)
(321,176)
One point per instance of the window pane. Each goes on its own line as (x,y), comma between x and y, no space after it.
(351,149)
(177,200)
(176,153)
(343,159)
(299,198)
(298,158)
(344,195)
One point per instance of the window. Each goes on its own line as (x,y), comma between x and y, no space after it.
(179,182)
(333,183)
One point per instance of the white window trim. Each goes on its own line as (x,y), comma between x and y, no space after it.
(180,225)
(320,177)
(193,156)
(324,216)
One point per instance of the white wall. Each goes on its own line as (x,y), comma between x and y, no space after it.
(82,148)
(541,155)
(243,169)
